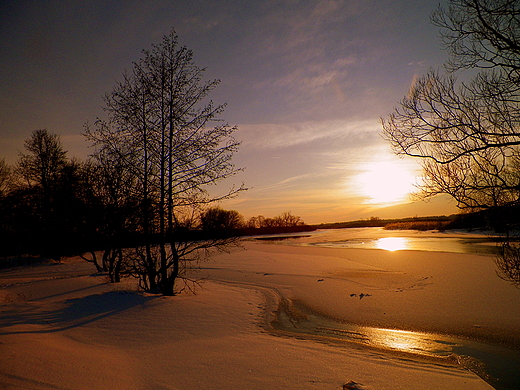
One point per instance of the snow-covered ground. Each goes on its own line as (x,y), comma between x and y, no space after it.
(64,327)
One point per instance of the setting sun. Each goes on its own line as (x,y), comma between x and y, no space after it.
(385,183)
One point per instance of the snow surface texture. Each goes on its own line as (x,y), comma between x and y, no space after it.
(64,327)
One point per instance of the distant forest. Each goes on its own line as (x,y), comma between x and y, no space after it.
(499,219)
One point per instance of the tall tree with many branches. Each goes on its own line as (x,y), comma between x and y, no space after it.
(467,132)
(165,133)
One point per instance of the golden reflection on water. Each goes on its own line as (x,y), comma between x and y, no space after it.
(392,243)
(404,341)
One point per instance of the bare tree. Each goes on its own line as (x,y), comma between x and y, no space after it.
(113,194)
(174,145)
(216,219)
(508,262)
(41,170)
(6,178)
(467,133)
(43,161)
(287,219)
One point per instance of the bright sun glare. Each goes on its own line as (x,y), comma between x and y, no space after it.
(385,183)
(392,243)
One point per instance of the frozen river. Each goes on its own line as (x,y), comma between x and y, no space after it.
(392,240)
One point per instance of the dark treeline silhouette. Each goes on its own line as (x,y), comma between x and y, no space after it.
(283,220)
(52,206)
(411,223)
(216,221)
(46,204)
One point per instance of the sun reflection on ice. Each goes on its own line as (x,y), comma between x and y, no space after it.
(412,342)
(397,339)
(392,243)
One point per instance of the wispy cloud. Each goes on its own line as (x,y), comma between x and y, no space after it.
(272,135)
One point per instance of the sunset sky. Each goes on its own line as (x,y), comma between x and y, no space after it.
(306,82)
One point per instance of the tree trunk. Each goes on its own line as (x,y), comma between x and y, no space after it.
(168,287)
(150,267)
(118,264)
(164,269)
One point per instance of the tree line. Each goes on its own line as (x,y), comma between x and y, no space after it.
(216,218)
(52,206)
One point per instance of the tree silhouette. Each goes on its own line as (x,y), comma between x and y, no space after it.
(6,178)
(467,133)
(43,161)
(114,203)
(173,145)
(218,220)
(40,169)
(283,220)
(508,262)
(44,200)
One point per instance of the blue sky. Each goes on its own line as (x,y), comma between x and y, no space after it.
(306,82)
